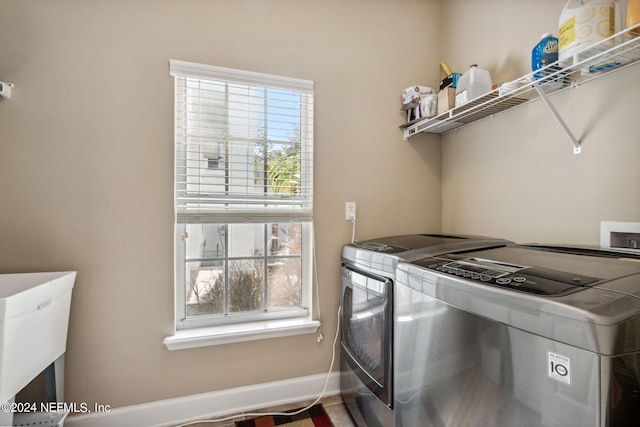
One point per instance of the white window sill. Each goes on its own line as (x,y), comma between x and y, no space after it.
(225,334)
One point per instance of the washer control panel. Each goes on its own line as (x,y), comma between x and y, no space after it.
(534,280)
(477,272)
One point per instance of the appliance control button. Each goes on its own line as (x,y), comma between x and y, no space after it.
(519,279)
(485,278)
(475,276)
(503,281)
(466,274)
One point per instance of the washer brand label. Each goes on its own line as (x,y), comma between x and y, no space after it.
(559,367)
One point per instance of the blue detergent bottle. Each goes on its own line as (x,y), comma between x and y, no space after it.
(543,54)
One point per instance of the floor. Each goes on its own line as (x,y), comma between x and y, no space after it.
(332,404)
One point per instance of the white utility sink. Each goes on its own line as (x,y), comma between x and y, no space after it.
(34,318)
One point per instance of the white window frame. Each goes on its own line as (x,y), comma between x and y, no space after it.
(210,330)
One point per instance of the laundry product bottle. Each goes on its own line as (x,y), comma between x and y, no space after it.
(583,23)
(633,16)
(472,84)
(543,55)
(545,52)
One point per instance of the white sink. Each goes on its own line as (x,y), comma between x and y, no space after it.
(34,318)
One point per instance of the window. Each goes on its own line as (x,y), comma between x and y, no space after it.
(243,196)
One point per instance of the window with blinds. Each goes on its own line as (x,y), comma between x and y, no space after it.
(243,194)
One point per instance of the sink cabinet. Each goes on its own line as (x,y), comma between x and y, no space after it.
(34,318)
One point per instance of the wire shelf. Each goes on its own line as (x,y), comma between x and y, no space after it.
(614,53)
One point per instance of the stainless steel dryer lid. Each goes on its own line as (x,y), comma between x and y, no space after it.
(382,255)
(413,246)
(409,242)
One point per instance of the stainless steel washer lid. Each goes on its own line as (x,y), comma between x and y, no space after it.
(602,314)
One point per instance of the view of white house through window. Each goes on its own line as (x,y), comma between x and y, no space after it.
(244,167)
(236,268)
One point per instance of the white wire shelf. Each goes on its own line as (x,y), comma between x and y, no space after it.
(614,53)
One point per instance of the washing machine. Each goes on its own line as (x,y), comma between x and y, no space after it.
(368,316)
(518,335)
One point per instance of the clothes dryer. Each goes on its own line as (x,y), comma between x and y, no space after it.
(368,276)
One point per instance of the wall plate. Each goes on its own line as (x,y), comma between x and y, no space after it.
(620,235)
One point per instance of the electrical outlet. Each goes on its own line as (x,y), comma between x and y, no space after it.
(350,209)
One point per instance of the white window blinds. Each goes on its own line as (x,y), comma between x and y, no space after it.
(244,146)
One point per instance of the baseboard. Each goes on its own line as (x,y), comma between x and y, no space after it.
(211,405)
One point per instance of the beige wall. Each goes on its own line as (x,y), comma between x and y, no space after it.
(86,163)
(514,175)
(86,157)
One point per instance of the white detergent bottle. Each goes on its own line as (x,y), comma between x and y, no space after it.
(472,84)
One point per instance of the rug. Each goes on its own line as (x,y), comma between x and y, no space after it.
(315,416)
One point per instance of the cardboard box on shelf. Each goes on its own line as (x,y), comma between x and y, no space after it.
(446,99)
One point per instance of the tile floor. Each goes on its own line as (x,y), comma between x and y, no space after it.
(332,404)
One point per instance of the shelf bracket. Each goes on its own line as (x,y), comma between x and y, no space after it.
(577,149)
